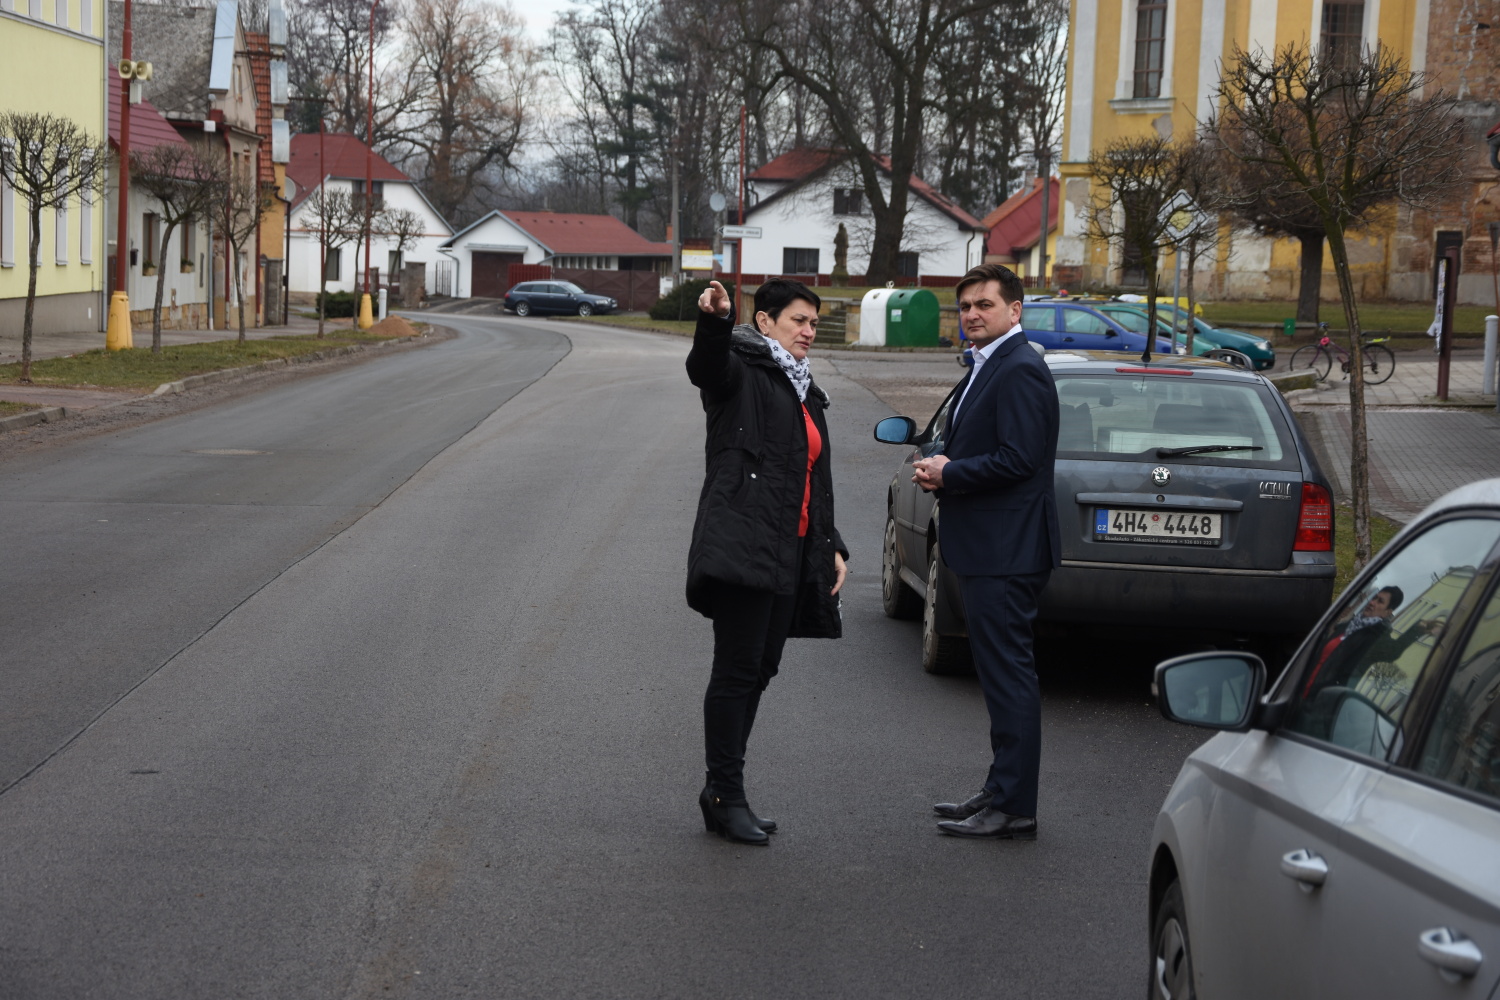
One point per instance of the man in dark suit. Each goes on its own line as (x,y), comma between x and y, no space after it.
(1000,537)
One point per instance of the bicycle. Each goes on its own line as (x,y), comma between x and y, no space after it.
(1380,362)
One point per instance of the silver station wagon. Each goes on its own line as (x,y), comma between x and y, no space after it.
(1188,499)
(1342,838)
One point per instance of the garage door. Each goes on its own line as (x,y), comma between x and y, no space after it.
(492,273)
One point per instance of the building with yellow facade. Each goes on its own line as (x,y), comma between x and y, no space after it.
(1140,65)
(52,60)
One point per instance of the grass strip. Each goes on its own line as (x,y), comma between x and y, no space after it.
(8,409)
(138,368)
(1381,531)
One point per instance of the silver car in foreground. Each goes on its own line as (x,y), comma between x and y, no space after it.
(1341,836)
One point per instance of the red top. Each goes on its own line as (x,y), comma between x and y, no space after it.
(814,449)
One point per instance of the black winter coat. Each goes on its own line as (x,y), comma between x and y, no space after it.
(751,503)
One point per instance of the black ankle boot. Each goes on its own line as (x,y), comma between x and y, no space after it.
(732,821)
(705,799)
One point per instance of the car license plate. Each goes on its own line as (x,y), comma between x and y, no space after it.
(1157,527)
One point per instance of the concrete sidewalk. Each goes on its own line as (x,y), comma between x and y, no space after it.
(1420,448)
(58,345)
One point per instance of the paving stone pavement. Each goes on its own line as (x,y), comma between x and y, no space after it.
(1416,454)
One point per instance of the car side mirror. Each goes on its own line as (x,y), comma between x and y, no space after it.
(1218,690)
(896,430)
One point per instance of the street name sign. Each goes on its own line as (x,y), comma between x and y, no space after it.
(740,232)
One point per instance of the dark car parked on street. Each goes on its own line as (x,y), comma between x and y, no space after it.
(1188,500)
(556,297)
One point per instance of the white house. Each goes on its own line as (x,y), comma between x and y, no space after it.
(186,272)
(799,199)
(345,158)
(567,242)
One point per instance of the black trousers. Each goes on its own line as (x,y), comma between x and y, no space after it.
(750,628)
(1000,612)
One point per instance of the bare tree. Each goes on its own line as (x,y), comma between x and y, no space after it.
(1136,181)
(402,227)
(186,187)
(237,217)
(329,56)
(50,161)
(818,44)
(1344,137)
(338,221)
(474,75)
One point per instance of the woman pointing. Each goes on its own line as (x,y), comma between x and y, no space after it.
(766,561)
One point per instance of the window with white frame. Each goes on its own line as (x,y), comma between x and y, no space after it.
(60,12)
(7,215)
(85,226)
(1343,34)
(35,9)
(86,16)
(60,224)
(335,264)
(150,230)
(1150,47)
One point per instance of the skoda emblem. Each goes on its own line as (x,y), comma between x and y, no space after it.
(1161,475)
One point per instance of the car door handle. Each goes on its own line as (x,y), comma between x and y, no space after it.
(1455,955)
(1067,340)
(1307,868)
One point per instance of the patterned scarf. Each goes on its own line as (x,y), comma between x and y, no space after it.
(1358,622)
(795,370)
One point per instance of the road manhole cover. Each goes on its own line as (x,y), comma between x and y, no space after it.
(226,451)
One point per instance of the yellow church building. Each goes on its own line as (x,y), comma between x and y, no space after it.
(53,61)
(1141,65)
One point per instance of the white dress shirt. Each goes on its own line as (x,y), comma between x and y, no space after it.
(980,357)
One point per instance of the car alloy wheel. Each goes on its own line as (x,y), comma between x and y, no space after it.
(584,309)
(941,654)
(1171,960)
(898,600)
(523,308)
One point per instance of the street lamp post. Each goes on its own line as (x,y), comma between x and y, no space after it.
(117,333)
(366,315)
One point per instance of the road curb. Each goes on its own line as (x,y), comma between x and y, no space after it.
(52,414)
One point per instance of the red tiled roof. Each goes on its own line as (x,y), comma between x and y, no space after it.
(148,128)
(796,165)
(1015,226)
(803,163)
(346,159)
(569,233)
(258,48)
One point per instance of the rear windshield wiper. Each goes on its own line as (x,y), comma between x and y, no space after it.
(1202,449)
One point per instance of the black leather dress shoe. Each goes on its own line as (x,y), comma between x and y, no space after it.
(963,810)
(994,824)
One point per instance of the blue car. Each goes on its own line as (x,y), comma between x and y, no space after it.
(1065,326)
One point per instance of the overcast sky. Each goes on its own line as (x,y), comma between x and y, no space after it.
(540,14)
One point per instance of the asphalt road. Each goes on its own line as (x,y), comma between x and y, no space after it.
(408,704)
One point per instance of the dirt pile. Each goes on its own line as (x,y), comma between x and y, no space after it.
(392,326)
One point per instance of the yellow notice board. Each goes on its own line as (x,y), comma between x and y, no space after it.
(697,260)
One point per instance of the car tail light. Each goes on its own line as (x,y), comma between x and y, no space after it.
(1315,523)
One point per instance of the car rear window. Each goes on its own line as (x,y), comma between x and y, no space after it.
(1128,417)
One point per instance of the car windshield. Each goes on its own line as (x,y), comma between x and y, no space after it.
(569,288)
(1139,416)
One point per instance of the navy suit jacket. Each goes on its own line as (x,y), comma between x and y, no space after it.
(998,505)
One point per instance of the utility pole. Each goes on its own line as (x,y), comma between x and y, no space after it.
(1044,163)
(739,244)
(117,334)
(366,315)
(676,222)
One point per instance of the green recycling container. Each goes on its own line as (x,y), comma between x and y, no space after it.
(1289,327)
(911,318)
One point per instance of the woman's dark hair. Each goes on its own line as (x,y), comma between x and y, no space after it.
(1396,597)
(776,294)
(1011,289)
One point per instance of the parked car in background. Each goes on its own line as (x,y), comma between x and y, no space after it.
(1340,837)
(1133,316)
(1188,500)
(556,297)
(1066,324)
